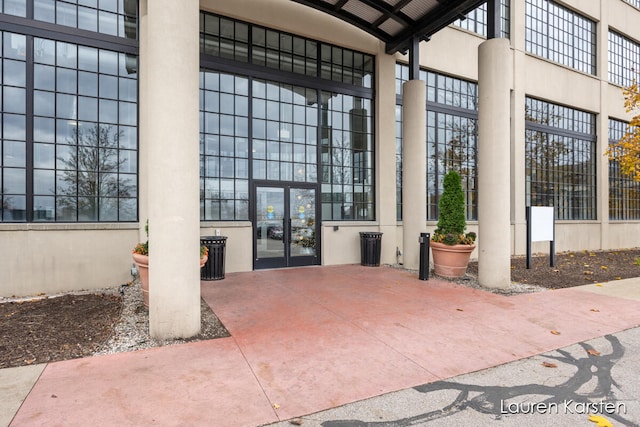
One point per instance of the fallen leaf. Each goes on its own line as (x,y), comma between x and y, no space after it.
(618,277)
(604,267)
(586,265)
(593,352)
(587,272)
(599,284)
(30,361)
(595,310)
(549,365)
(459,309)
(600,421)
(53,396)
(555,332)
(276,406)
(296,422)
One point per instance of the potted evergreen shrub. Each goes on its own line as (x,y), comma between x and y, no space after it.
(450,245)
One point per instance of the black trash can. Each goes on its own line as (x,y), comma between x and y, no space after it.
(423,273)
(370,248)
(214,267)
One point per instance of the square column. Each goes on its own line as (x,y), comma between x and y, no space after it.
(170,150)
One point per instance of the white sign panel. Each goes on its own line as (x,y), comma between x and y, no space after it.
(541,223)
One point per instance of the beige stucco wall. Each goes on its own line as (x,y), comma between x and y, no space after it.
(49,259)
(238,253)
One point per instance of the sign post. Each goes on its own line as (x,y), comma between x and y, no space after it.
(540,228)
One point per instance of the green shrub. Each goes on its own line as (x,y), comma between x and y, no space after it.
(452,219)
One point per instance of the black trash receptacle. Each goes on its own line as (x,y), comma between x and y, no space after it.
(214,267)
(370,248)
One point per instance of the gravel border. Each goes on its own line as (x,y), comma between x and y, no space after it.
(470,280)
(131,332)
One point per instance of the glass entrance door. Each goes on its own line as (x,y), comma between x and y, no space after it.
(285,227)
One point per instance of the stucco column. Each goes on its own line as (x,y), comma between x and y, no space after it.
(386,154)
(414,170)
(170,51)
(495,74)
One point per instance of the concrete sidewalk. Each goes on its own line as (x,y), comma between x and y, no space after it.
(309,339)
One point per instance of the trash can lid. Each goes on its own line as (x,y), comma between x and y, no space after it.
(370,233)
(213,238)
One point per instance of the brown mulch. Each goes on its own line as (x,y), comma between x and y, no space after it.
(72,326)
(574,268)
(59,328)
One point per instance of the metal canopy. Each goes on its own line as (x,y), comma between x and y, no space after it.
(397,22)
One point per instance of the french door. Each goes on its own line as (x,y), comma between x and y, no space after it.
(284,225)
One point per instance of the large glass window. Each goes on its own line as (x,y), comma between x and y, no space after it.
(13,152)
(69,123)
(224,146)
(84,133)
(14,7)
(560,35)
(399,162)
(112,17)
(634,3)
(624,59)
(452,118)
(560,144)
(228,38)
(476,20)
(275,127)
(347,158)
(624,192)
(285,132)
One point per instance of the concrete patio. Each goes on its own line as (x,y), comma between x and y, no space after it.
(308,339)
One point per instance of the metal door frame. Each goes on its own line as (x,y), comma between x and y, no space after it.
(287,260)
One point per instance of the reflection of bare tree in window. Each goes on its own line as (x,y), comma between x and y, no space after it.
(458,153)
(547,162)
(6,202)
(89,183)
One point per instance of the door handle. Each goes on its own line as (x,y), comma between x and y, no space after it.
(289,230)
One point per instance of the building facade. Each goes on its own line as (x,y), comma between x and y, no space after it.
(288,125)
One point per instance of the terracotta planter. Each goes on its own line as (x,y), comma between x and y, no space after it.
(450,261)
(142,263)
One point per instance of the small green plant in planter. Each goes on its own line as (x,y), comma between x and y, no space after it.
(141,259)
(450,245)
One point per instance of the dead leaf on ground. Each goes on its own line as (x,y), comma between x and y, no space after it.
(459,309)
(593,352)
(595,310)
(549,365)
(555,332)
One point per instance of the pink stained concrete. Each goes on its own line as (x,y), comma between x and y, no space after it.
(308,339)
(199,384)
(325,336)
